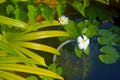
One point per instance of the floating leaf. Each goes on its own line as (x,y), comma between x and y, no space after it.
(78,51)
(83,26)
(91,31)
(87,51)
(111,55)
(72,29)
(106,38)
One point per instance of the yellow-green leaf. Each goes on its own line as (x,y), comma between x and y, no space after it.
(43,34)
(28,69)
(41,47)
(17,59)
(10,76)
(12,22)
(32,55)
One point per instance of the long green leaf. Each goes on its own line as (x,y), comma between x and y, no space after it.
(10,76)
(16,59)
(28,69)
(43,34)
(43,24)
(12,22)
(7,48)
(32,55)
(41,47)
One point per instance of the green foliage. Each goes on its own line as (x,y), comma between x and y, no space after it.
(13,34)
(32,13)
(79,6)
(9,9)
(60,9)
(32,78)
(83,26)
(78,52)
(1,1)
(71,28)
(87,51)
(53,67)
(104,1)
(47,12)
(91,31)
(110,56)
(18,40)
(106,36)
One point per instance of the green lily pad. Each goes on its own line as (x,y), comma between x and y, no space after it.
(78,52)
(110,56)
(87,51)
(91,31)
(106,38)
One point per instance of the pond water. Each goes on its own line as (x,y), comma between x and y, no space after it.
(88,68)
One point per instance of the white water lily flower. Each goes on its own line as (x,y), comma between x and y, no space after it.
(63,20)
(83,42)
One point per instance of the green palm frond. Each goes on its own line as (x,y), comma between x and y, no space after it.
(29,69)
(16,42)
(9,76)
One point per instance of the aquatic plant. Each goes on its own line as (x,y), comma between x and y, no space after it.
(24,22)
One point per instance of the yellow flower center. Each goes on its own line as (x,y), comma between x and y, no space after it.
(83,41)
(63,21)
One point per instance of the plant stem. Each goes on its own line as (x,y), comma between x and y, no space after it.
(60,46)
(85,65)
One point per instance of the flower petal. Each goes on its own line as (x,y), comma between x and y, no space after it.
(63,20)
(79,39)
(84,37)
(81,46)
(86,44)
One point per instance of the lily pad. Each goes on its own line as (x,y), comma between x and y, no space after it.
(110,56)
(107,36)
(78,52)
